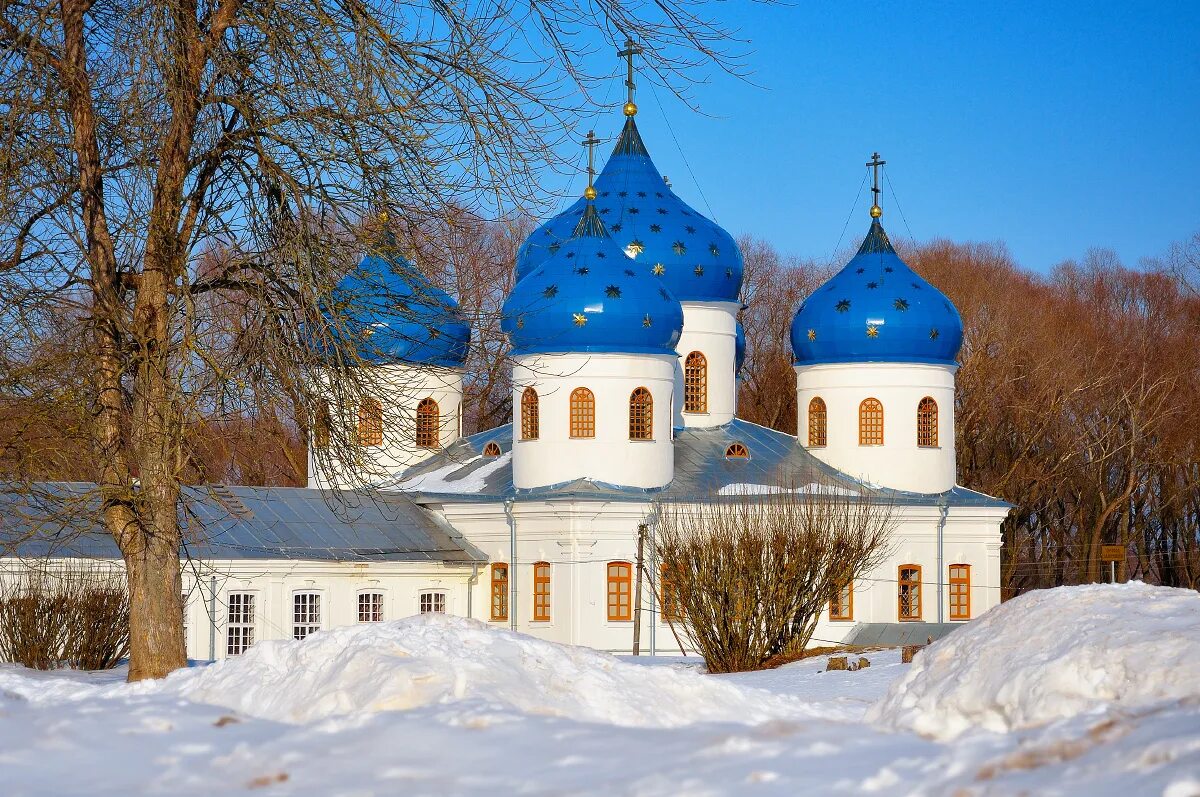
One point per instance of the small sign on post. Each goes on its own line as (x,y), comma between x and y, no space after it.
(1112,554)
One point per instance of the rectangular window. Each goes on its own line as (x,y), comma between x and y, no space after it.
(239,626)
(960,592)
(433,603)
(306,614)
(669,591)
(370,422)
(909,595)
(842,606)
(541,591)
(620,582)
(499,592)
(370,607)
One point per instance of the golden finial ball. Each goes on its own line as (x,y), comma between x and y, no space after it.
(630,108)
(876,211)
(589,193)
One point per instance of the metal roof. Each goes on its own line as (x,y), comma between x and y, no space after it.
(777,461)
(228,522)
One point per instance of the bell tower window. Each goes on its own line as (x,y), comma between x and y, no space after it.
(695,383)
(870,422)
(428,424)
(817,420)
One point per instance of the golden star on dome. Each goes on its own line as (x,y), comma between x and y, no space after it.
(659,269)
(580,319)
(872,331)
(812,334)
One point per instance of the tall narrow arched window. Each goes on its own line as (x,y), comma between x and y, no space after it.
(370,422)
(429,423)
(908,596)
(817,420)
(695,383)
(583,413)
(641,415)
(499,611)
(530,424)
(870,422)
(322,425)
(927,423)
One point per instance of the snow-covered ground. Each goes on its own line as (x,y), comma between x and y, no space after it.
(1089,690)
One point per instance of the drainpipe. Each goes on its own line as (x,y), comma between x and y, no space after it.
(944,509)
(471,582)
(212,618)
(651,522)
(512,564)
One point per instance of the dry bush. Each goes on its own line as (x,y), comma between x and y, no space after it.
(751,575)
(73,617)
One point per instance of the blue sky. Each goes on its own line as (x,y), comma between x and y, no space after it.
(1050,127)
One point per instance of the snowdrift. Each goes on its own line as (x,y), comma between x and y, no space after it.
(438,659)
(1052,654)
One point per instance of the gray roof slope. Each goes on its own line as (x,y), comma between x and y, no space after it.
(228,522)
(461,472)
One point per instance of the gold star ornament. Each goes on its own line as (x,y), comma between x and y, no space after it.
(812,334)
(580,319)
(659,269)
(872,331)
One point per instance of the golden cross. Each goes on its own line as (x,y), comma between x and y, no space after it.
(874,164)
(632,48)
(590,141)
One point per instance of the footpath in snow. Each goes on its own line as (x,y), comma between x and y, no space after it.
(1084,690)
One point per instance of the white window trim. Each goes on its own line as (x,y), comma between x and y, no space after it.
(383,601)
(254,596)
(435,591)
(322,607)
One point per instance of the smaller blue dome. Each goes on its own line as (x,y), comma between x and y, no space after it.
(876,309)
(396,315)
(589,297)
(739,348)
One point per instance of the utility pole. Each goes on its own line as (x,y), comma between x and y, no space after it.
(637,593)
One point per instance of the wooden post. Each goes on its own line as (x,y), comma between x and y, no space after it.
(637,594)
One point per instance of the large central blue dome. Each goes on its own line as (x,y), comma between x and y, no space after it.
(589,297)
(694,258)
(876,309)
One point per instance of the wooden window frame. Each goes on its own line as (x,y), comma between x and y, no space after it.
(370,423)
(499,604)
(668,596)
(870,433)
(492,449)
(240,609)
(961,584)
(737,451)
(306,613)
(912,584)
(818,423)
(322,425)
(927,423)
(620,610)
(695,383)
(429,424)
(530,414)
(370,606)
(583,414)
(840,610)
(541,592)
(641,414)
(436,601)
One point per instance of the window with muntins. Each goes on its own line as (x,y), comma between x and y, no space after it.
(499,591)
(842,605)
(817,420)
(641,415)
(583,413)
(737,451)
(306,614)
(322,425)
(370,423)
(432,602)
(620,583)
(530,422)
(239,628)
(541,591)
(672,609)
(492,449)
(429,422)
(909,592)
(695,383)
(960,592)
(870,422)
(927,423)
(370,607)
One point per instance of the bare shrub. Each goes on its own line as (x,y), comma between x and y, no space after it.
(749,576)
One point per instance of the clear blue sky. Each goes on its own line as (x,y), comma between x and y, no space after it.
(1051,127)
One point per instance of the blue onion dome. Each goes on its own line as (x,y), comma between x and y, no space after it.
(694,258)
(396,315)
(876,309)
(589,297)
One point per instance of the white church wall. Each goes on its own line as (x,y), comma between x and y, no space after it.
(711,329)
(899,463)
(555,457)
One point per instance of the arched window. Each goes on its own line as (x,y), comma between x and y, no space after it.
(960,592)
(499,591)
(541,592)
(428,424)
(620,600)
(370,422)
(870,423)
(492,449)
(641,415)
(695,383)
(816,422)
(909,592)
(529,414)
(927,423)
(737,451)
(583,413)
(370,607)
(322,425)
(841,607)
